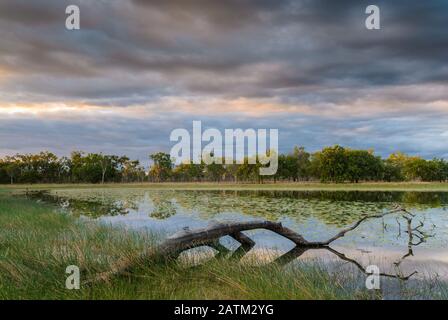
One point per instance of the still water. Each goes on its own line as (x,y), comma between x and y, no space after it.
(317,215)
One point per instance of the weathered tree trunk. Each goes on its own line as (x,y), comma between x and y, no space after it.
(187,238)
(209,236)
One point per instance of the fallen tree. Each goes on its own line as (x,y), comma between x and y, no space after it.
(209,236)
(187,239)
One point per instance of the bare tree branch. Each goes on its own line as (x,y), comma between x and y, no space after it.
(360,267)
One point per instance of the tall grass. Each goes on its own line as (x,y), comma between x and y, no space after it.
(37,243)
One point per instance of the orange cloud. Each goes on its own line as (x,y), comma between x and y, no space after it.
(398,100)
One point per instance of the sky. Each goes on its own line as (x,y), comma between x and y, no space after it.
(138,69)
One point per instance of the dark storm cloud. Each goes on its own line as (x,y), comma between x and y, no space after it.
(185,43)
(228,14)
(31,12)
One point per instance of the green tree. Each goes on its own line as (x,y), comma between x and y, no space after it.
(249,171)
(214,172)
(363,165)
(105,162)
(442,169)
(12,169)
(87,168)
(131,171)
(162,167)
(331,164)
(303,163)
(392,171)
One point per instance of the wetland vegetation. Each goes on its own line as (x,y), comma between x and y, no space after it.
(48,229)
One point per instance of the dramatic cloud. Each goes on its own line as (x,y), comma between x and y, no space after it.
(139,68)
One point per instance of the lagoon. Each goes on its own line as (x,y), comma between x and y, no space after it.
(317,215)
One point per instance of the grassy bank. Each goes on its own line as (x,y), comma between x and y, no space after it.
(371,186)
(37,243)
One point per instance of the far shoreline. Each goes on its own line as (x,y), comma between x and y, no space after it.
(229,186)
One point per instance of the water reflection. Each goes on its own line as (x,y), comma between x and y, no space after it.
(333,207)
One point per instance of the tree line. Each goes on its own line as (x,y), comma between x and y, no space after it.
(331,164)
(80,167)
